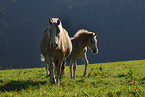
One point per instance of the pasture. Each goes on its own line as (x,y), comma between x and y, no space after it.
(111,79)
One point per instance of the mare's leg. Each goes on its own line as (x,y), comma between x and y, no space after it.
(84,58)
(59,71)
(51,69)
(70,67)
(74,67)
(56,64)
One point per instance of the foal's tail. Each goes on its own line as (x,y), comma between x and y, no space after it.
(42,58)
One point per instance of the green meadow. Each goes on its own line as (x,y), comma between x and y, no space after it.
(112,79)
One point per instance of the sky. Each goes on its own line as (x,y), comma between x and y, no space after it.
(120,26)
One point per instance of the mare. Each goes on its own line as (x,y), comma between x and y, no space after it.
(55,46)
(80,41)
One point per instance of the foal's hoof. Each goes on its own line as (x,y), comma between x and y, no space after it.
(74,77)
(84,75)
(62,76)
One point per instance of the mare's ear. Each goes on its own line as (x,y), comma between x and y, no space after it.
(58,22)
(50,21)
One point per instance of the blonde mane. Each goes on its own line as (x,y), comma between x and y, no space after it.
(55,19)
(60,25)
(81,32)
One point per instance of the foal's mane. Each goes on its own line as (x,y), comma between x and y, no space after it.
(82,32)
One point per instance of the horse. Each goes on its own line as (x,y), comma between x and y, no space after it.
(55,46)
(80,41)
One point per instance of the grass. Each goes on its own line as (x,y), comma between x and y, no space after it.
(103,79)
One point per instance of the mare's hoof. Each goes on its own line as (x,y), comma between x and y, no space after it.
(53,81)
(47,74)
(57,82)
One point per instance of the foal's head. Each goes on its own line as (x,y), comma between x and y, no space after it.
(54,29)
(92,43)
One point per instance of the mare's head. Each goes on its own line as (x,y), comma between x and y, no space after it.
(92,43)
(54,30)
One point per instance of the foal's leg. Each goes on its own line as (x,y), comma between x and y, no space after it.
(84,58)
(47,68)
(74,67)
(63,69)
(70,67)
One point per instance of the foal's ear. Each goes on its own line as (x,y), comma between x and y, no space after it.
(58,22)
(50,21)
(96,34)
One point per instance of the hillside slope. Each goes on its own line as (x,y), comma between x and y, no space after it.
(103,79)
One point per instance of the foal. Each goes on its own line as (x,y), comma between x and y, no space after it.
(80,41)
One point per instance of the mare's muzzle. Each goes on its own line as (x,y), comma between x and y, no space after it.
(54,45)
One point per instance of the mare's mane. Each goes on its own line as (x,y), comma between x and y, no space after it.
(54,20)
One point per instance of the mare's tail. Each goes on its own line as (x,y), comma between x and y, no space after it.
(42,58)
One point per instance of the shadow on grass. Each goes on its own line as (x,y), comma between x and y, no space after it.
(19,85)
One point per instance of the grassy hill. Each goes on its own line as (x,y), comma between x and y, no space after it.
(103,79)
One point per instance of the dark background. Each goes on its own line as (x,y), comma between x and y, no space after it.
(120,24)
